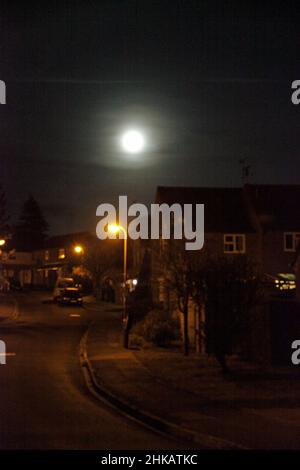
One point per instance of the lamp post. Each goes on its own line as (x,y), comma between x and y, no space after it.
(2,243)
(79,252)
(78,249)
(126,326)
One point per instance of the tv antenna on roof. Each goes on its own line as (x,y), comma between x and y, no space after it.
(245,170)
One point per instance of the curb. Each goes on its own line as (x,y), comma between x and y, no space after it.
(89,307)
(94,307)
(148,420)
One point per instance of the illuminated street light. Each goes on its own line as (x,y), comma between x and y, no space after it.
(2,242)
(78,249)
(114,228)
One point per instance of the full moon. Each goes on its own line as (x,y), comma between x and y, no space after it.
(133,141)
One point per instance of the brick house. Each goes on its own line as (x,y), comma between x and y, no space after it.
(228,230)
(58,256)
(260,221)
(275,214)
(17,265)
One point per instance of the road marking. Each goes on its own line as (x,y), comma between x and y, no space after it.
(5,354)
(74,315)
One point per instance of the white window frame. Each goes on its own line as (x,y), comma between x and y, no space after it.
(234,243)
(295,241)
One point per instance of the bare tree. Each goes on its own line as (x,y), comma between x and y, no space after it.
(230,289)
(179,272)
(101,257)
(31,230)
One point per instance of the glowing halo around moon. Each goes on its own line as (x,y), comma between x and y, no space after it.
(132,141)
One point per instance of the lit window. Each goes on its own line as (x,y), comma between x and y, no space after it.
(234,243)
(291,241)
(61,253)
(47,255)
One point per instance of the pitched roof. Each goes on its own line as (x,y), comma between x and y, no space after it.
(276,206)
(224,208)
(60,241)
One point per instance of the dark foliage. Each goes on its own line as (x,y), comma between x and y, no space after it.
(31,231)
(4,218)
(230,289)
(158,327)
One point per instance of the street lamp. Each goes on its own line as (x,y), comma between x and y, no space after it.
(2,242)
(114,228)
(78,249)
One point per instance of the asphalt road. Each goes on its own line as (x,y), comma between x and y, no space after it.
(44,403)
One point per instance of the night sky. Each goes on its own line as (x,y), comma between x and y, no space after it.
(209,83)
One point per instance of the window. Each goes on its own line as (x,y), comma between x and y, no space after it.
(47,255)
(61,253)
(291,241)
(234,243)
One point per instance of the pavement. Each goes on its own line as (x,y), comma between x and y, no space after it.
(45,403)
(46,400)
(248,411)
(8,307)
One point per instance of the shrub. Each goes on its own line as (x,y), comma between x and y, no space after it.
(158,327)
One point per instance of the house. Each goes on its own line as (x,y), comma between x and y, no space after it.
(63,255)
(256,220)
(259,221)
(59,256)
(227,230)
(17,265)
(275,214)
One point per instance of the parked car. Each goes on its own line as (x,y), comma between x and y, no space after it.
(281,285)
(66,291)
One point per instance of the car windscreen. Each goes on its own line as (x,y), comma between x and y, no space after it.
(66,283)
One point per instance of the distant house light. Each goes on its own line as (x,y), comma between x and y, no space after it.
(291,241)
(285,281)
(234,243)
(61,253)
